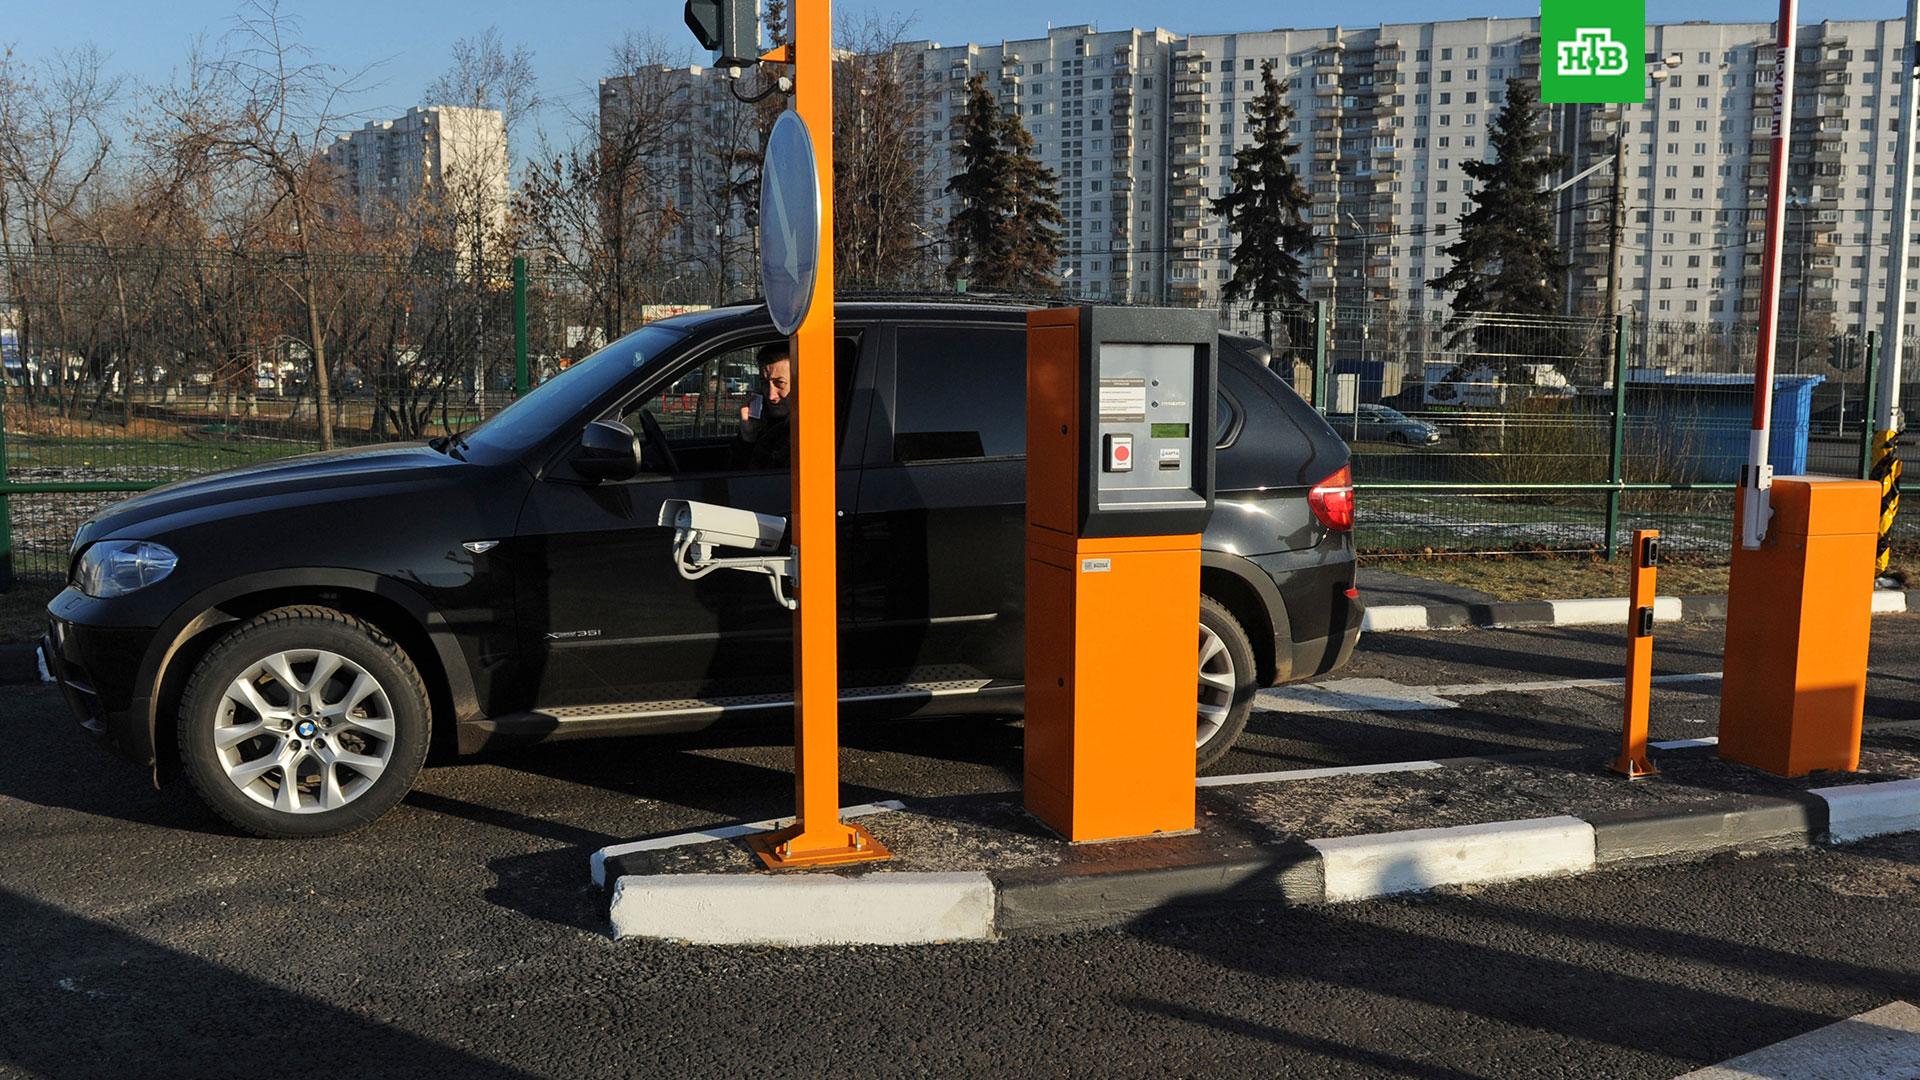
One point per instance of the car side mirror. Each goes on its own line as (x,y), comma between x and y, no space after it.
(608,451)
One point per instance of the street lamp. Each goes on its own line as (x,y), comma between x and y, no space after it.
(1804,204)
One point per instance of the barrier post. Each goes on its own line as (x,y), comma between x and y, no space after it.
(1632,762)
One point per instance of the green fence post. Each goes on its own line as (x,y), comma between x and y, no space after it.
(1321,328)
(1870,407)
(520,379)
(1616,466)
(6,512)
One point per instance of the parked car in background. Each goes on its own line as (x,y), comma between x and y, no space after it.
(291,636)
(1382,423)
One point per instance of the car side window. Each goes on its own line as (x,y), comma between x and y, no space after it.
(959,392)
(703,403)
(699,409)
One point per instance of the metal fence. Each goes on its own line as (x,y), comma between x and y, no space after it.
(124,370)
(1560,435)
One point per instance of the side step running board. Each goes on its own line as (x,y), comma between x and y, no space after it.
(557,722)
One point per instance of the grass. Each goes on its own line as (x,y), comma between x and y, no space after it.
(23,610)
(1539,577)
(1575,577)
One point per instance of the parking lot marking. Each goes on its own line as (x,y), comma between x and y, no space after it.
(1687,744)
(1315,774)
(721,832)
(1882,1043)
(1385,695)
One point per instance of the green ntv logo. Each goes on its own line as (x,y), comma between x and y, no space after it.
(1593,50)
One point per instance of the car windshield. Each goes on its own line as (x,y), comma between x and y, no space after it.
(552,403)
(1385,413)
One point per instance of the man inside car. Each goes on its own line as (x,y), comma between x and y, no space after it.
(765,437)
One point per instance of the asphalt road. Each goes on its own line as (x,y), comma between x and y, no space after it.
(459,936)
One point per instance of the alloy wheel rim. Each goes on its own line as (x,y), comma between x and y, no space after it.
(1217,683)
(304,731)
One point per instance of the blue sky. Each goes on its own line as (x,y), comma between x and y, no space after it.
(570,38)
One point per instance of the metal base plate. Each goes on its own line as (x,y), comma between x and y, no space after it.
(1634,768)
(845,844)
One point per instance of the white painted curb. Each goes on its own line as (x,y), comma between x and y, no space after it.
(1612,609)
(1359,867)
(805,909)
(1859,811)
(1394,617)
(1886,601)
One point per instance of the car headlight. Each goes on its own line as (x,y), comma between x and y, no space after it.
(118,567)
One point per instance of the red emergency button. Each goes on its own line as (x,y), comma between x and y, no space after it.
(1121,453)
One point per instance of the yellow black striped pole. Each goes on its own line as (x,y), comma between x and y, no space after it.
(1886,469)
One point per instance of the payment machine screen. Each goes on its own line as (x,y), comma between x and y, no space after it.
(1145,412)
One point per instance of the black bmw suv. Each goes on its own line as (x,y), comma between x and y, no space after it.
(293,636)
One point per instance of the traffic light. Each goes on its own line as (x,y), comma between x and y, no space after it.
(728,28)
(1846,352)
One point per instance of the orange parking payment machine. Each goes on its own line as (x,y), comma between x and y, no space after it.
(1119,487)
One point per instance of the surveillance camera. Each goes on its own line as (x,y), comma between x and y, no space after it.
(712,526)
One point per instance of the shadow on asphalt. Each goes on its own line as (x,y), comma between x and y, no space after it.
(1491,649)
(1646,1014)
(92,981)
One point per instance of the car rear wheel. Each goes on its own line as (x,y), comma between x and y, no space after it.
(1227,673)
(304,721)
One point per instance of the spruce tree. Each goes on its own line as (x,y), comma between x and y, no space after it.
(1006,234)
(1505,260)
(979,241)
(1266,207)
(1034,221)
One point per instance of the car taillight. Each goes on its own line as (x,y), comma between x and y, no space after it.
(1332,500)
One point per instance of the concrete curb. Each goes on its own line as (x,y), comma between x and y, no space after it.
(1604,611)
(903,907)
(805,909)
(1383,864)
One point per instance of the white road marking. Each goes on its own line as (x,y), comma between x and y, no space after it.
(1686,744)
(1385,695)
(1315,774)
(1880,1045)
(721,832)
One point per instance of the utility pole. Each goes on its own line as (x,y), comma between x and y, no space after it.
(1617,218)
(1886,448)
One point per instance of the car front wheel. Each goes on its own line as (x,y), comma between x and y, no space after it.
(304,721)
(1227,675)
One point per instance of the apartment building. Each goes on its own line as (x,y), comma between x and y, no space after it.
(1141,127)
(432,152)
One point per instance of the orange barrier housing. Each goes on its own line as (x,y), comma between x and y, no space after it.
(1110,625)
(1799,618)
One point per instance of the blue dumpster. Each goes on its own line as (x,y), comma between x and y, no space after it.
(1697,424)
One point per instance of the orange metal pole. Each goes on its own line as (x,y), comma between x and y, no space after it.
(818,836)
(1632,762)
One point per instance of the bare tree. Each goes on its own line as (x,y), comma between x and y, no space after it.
(485,78)
(53,144)
(603,210)
(264,102)
(879,200)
